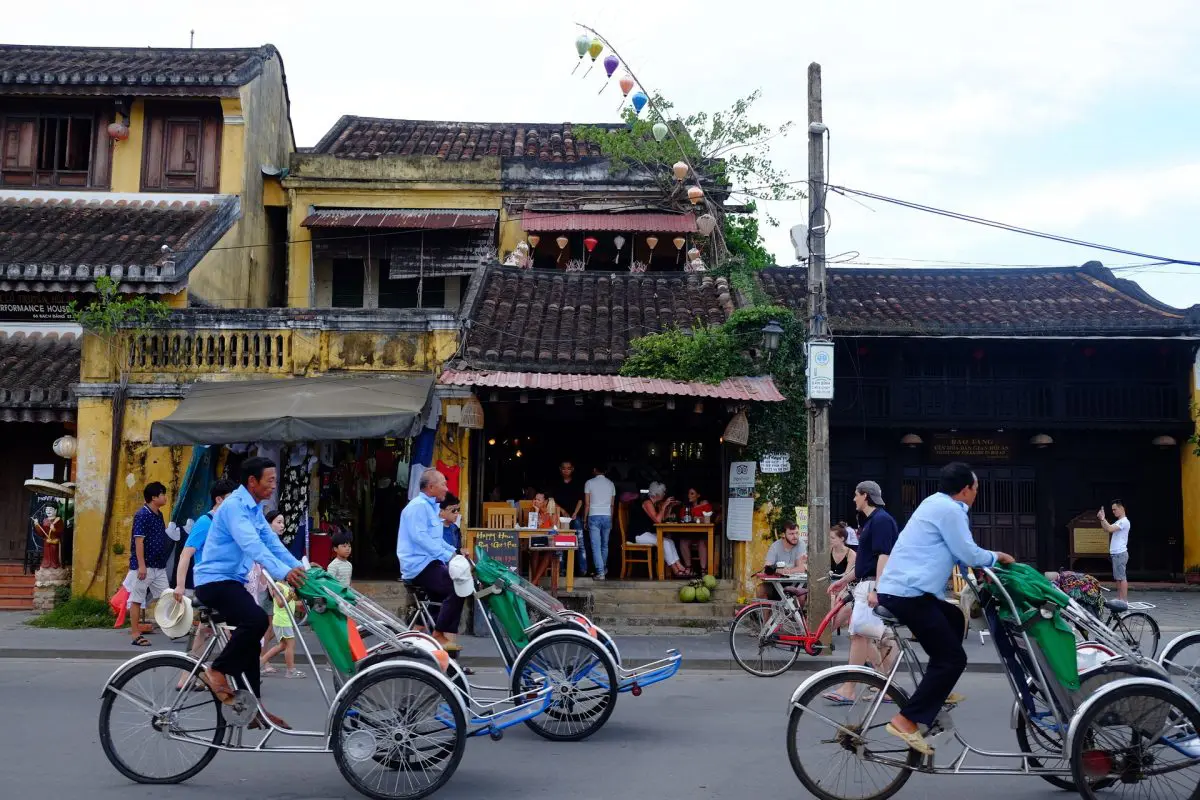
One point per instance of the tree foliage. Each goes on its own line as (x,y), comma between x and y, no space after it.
(110,312)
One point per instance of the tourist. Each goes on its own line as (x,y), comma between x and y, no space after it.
(151,547)
(653,510)
(694,511)
(1118,546)
(785,551)
(841,561)
(340,567)
(542,561)
(912,585)
(284,598)
(240,537)
(600,496)
(568,494)
(424,555)
(449,511)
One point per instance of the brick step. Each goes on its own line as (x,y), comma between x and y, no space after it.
(11,568)
(23,604)
(689,610)
(17,581)
(16,593)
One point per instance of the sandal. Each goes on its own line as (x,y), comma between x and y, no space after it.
(268,670)
(294,673)
(838,699)
(140,641)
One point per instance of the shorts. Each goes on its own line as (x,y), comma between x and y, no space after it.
(1119,561)
(284,632)
(148,590)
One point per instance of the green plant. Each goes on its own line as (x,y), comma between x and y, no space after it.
(62,594)
(118,549)
(75,614)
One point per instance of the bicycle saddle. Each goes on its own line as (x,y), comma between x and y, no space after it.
(1116,605)
(888,617)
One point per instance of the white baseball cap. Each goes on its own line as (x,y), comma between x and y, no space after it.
(175,618)
(460,572)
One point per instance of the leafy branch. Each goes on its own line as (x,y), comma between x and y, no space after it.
(110,312)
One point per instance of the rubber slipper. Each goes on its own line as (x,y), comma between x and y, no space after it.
(838,699)
(140,641)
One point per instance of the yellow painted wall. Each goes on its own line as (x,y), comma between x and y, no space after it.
(1191,494)
(127,155)
(454,453)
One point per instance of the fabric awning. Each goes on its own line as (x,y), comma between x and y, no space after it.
(297,410)
(597,222)
(402,218)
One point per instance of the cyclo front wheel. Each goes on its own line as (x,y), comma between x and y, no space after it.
(754,639)
(1140,631)
(825,738)
(580,672)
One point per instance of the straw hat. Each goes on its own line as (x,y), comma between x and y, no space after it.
(175,618)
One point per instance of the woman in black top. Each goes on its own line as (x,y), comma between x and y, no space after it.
(643,516)
(841,557)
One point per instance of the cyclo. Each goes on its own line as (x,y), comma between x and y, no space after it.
(558,647)
(1118,722)
(397,722)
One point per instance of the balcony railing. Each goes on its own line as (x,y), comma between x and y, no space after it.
(212,351)
(1007,401)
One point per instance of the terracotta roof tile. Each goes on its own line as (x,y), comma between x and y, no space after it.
(36,375)
(550,321)
(755,388)
(64,245)
(369,137)
(979,301)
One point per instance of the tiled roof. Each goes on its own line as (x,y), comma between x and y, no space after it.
(39,69)
(368,137)
(64,245)
(1016,302)
(36,374)
(593,222)
(426,218)
(550,321)
(762,389)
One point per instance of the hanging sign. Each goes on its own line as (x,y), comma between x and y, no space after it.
(739,518)
(775,463)
(820,371)
(35,307)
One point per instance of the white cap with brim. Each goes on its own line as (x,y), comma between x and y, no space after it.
(174,617)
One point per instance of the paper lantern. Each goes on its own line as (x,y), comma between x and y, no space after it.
(582,43)
(561,242)
(118,131)
(639,101)
(471,417)
(595,48)
(679,242)
(693,254)
(652,242)
(706,224)
(590,244)
(534,239)
(619,241)
(680,169)
(660,131)
(626,84)
(695,194)
(65,447)
(738,429)
(610,64)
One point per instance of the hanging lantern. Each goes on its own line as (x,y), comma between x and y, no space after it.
(472,414)
(738,429)
(118,131)
(594,49)
(695,194)
(534,239)
(65,447)
(693,254)
(652,242)
(523,247)
(660,131)
(581,45)
(639,102)
(611,63)
(680,169)
(679,242)
(706,224)
(696,266)
(590,243)
(626,84)
(619,241)
(561,242)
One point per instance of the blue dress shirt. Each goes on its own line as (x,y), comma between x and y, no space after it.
(238,539)
(419,541)
(936,537)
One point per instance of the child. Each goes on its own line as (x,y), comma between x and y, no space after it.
(340,567)
(284,632)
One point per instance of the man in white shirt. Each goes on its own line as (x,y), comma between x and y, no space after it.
(599,496)
(1118,546)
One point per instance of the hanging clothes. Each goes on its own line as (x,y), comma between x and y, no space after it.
(452,476)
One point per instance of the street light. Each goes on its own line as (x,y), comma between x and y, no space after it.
(772,334)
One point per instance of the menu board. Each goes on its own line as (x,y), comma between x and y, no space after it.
(503,545)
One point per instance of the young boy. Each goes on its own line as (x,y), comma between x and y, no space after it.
(284,632)
(340,567)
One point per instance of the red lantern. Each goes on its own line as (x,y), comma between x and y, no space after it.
(590,244)
(118,131)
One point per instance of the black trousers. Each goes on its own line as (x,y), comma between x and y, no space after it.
(435,580)
(240,656)
(938,626)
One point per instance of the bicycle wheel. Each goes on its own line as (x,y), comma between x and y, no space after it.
(583,678)
(1041,738)
(829,737)
(1140,631)
(136,722)
(1138,740)
(754,640)
(400,734)
(1181,660)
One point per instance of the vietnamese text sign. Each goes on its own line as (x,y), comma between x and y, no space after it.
(775,463)
(972,448)
(34,307)
(739,517)
(820,371)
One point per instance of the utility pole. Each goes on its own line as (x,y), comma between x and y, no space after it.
(818,349)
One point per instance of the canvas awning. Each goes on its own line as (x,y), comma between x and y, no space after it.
(297,410)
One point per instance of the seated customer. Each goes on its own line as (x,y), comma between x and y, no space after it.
(542,561)
(644,516)
(688,545)
(787,551)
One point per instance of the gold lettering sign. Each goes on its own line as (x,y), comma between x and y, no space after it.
(1089,541)
(972,448)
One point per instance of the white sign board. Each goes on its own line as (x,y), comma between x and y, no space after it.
(739,516)
(820,371)
(775,463)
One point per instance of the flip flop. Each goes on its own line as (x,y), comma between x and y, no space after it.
(838,699)
(873,692)
(140,641)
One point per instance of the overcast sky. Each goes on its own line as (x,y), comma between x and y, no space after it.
(1077,118)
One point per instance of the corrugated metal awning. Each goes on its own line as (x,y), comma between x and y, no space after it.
(402,218)
(761,389)
(568,222)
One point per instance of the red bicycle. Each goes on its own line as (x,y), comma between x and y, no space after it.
(767,635)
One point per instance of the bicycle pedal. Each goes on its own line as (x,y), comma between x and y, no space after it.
(240,713)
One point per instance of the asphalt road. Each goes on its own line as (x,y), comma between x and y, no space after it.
(699,735)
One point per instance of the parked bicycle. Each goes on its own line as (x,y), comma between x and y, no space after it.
(1132,622)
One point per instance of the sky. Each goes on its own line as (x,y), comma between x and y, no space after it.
(1075,118)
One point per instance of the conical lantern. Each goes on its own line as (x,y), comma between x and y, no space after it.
(660,131)
(472,414)
(695,194)
(619,241)
(680,169)
(652,242)
(706,224)
(534,239)
(679,242)
(590,243)
(561,242)
(738,429)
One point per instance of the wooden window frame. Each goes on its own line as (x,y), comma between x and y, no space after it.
(157,175)
(97,175)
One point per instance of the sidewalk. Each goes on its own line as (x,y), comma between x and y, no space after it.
(1176,612)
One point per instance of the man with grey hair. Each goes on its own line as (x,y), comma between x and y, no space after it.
(424,555)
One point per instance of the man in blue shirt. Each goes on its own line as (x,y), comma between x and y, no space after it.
(238,538)
(149,553)
(912,586)
(449,509)
(424,555)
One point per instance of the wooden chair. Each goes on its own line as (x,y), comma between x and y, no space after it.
(632,554)
(525,507)
(487,507)
(500,517)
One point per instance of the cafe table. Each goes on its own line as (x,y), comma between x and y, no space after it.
(523,536)
(687,529)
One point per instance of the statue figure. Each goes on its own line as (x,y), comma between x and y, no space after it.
(49,530)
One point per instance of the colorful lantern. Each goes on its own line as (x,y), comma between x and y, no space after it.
(626,84)
(611,63)
(706,224)
(594,50)
(534,239)
(680,169)
(639,102)
(581,45)
(679,242)
(652,242)
(590,244)
(561,242)
(693,253)
(660,131)
(695,194)
(118,131)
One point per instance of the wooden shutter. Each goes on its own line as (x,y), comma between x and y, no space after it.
(183,148)
(20,145)
(152,163)
(182,141)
